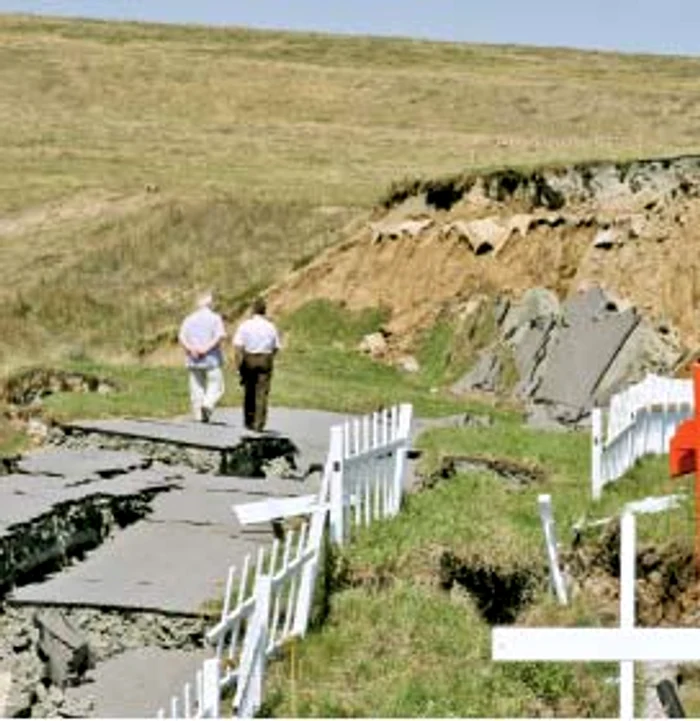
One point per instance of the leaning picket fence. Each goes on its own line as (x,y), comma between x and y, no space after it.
(269,602)
(641,420)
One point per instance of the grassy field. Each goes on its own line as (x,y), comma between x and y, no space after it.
(144,162)
(141,162)
(398,645)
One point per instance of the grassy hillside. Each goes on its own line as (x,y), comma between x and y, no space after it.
(142,161)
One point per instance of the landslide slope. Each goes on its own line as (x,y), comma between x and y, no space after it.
(632,229)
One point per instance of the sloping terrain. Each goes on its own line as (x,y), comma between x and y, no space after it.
(141,162)
(630,228)
(439,250)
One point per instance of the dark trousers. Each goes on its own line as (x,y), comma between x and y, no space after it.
(256,374)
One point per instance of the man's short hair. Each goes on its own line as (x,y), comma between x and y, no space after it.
(205,300)
(259,306)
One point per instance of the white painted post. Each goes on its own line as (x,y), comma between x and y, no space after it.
(225,609)
(402,427)
(406,416)
(292,595)
(547,518)
(597,452)
(337,490)
(276,608)
(308,577)
(199,681)
(399,472)
(252,667)
(210,688)
(262,608)
(627,620)
(174,703)
(188,701)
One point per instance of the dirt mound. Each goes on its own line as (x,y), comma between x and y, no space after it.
(27,387)
(668,589)
(628,228)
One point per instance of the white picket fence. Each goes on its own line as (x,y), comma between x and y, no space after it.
(641,420)
(269,602)
(369,468)
(206,702)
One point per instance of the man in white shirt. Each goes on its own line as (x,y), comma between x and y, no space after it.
(201,334)
(256,343)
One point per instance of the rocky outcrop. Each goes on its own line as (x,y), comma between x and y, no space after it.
(571,355)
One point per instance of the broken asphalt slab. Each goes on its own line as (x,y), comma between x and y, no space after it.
(173,567)
(80,464)
(300,436)
(177,557)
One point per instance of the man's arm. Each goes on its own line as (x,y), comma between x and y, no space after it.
(278,344)
(238,346)
(191,350)
(220,335)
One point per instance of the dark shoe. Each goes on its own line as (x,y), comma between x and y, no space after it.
(206,415)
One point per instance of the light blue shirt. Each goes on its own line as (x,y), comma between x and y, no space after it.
(201,328)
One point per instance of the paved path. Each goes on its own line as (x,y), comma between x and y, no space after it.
(174,560)
(308,430)
(130,685)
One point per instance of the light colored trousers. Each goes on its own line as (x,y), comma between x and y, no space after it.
(206,389)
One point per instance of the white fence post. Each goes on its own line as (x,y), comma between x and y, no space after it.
(597,452)
(337,490)
(305,596)
(252,667)
(210,688)
(556,578)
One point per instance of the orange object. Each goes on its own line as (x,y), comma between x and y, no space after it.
(684,456)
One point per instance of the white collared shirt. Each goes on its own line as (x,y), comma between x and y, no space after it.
(257,335)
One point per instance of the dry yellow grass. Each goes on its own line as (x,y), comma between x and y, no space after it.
(92,113)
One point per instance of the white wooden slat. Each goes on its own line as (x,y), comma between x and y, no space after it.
(292,596)
(272,508)
(367,493)
(225,608)
(235,629)
(188,701)
(346,439)
(277,590)
(199,685)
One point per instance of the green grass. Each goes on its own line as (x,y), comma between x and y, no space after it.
(450,347)
(397,645)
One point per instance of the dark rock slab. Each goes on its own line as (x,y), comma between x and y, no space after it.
(66,651)
(580,355)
